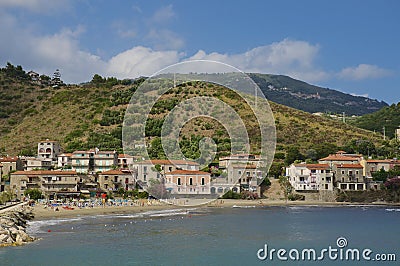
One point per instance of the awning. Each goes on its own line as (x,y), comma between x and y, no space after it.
(84,191)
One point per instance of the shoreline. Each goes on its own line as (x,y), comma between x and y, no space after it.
(42,213)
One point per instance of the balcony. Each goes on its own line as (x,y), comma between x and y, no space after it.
(60,182)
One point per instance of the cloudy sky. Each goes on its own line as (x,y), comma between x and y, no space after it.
(348,45)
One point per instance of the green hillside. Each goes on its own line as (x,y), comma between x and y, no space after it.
(90,115)
(310,98)
(388,118)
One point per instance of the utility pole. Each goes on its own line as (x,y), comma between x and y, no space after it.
(344,117)
(384,133)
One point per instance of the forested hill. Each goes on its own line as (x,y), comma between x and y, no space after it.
(303,96)
(388,118)
(90,115)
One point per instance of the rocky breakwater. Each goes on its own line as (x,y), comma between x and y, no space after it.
(13,225)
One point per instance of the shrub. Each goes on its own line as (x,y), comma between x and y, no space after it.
(231,195)
(294,197)
(33,194)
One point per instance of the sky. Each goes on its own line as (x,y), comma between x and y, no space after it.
(346,45)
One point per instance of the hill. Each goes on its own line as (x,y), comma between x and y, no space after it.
(388,118)
(303,96)
(90,115)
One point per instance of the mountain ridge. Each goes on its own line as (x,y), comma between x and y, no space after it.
(310,98)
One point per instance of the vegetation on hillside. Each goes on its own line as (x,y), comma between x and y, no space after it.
(90,115)
(387,119)
(303,96)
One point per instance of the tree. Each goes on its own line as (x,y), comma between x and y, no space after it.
(97,79)
(293,154)
(393,183)
(33,194)
(286,186)
(311,154)
(380,175)
(276,169)
(157,189)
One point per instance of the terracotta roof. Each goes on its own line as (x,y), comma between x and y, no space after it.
(317,166)
(384,161)
(65,154)
(171,162)
(187,172)
(339,157)
(8,159)
(349,166)
(44,172)
(116,172)
(122,155)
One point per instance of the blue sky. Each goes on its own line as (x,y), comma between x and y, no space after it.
(351,46)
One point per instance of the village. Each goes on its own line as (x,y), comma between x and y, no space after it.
(85,174)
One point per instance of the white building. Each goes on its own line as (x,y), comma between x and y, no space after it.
(48,149)
(310,177)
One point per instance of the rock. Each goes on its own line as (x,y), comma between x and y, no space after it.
(12,227)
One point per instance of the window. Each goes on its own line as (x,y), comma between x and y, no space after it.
(239,172)
(202,182)
(342,172)
(144,177)
(357,172)
(145,169)
(191,181)
(179,181)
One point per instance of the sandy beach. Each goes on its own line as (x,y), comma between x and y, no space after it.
(43,213)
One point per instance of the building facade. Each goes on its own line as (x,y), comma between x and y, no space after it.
(48,149)
(188,182)
(64,160)
(310,177)
(93,161)
(147,170)
(38,164)
(113,180)
(10,164)
(49,182)
(349,177)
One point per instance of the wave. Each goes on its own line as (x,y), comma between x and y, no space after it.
(159,213)
(243,206)
(35,227)
(392,210)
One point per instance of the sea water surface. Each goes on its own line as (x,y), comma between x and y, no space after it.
(212,236)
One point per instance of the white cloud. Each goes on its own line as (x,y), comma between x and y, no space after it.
(360,95)
(163,14)
(164,39)
(140,61)
(290,57)
(363,71)
(62,50)
(39,6)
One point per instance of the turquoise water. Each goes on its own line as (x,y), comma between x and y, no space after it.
(228,236)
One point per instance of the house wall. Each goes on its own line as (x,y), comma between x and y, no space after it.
(188,184)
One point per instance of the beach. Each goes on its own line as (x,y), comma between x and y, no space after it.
(41,212)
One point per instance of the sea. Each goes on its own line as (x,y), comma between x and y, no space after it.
(246,235)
